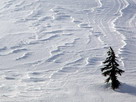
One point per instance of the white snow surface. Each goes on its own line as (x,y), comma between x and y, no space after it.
(52,50)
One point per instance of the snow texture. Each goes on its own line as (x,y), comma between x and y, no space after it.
(52,50)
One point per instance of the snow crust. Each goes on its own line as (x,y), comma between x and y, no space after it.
(52,50)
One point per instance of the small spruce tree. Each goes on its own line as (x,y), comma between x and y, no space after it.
(111,69)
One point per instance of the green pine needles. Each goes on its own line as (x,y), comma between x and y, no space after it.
(111,69)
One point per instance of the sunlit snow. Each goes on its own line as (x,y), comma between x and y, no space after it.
(52,50)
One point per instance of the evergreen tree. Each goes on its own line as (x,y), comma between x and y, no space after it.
(111,69)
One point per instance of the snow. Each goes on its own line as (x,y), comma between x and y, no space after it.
(52,50)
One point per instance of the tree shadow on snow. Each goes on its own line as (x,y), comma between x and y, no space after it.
(125,88)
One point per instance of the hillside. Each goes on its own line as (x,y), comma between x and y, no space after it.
(52,50)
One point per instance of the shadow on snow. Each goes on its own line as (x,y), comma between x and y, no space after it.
(126,88)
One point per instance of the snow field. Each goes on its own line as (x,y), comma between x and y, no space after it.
(52,50)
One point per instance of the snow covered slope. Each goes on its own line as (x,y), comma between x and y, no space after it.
(52,50)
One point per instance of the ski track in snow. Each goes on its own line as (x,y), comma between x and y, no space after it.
(53,51)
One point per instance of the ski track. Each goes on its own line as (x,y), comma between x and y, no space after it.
(127,29)
(53,51)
